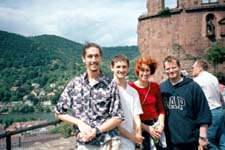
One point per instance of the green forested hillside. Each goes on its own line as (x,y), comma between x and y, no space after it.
(33,67)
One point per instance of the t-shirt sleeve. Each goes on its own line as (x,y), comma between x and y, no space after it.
(202,110)
(64,101)
(137,105)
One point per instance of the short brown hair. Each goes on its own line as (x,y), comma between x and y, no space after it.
(203,64)
(118,58)
(170,59)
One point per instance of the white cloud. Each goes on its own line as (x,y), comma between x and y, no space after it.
(107,22)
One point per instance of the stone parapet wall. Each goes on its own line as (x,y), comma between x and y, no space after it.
(154,6)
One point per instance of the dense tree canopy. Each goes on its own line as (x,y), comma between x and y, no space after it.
(45,60)
(216,54)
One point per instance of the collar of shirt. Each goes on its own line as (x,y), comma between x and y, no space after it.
(181,79)
(102,78)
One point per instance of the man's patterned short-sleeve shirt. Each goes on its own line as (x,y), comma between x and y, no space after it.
(92,104)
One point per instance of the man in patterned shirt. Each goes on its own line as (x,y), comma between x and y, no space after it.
(96,106)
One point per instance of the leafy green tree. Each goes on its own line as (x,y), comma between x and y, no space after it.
(55,98)
(44,60)
(6,96)
(26,109)
(63,128)
(33,99)
(8,122)
(21,108)
(216,55)
(4,110)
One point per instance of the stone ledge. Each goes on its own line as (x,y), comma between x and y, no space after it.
(60,144)
(172,11)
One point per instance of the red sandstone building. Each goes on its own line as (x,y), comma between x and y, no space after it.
(185,30)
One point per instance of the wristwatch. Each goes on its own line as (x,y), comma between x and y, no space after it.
(203,138)
(98,132)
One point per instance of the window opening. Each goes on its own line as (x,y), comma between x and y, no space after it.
(170,4)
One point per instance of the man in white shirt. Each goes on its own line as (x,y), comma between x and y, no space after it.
(209,84)
(130,128)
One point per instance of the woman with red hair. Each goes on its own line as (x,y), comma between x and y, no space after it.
(151,101)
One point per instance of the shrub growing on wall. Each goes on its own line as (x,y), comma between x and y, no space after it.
(164,12)
(216,55)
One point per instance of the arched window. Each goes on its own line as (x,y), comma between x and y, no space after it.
(170,4)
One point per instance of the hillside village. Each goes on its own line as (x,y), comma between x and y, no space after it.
(35,70)
(38,93)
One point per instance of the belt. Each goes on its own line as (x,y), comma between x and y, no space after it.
(149,122)
(220,107)
(92,143)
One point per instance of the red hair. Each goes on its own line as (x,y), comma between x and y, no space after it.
(148,61)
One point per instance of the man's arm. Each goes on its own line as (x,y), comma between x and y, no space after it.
(86,132)
(137,124)
(109,124)
(134,136)
(123,132)
(203,140)
(137,128)
(83,127)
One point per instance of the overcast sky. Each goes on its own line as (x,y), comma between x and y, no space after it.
(106,22)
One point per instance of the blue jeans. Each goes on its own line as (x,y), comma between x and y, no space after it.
(216,131)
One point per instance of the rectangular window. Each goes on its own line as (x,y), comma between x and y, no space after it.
(170,3)
(209,1)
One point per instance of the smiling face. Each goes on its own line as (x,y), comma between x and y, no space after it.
(172,69)
(120,69)
(144,72)
(92,59)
